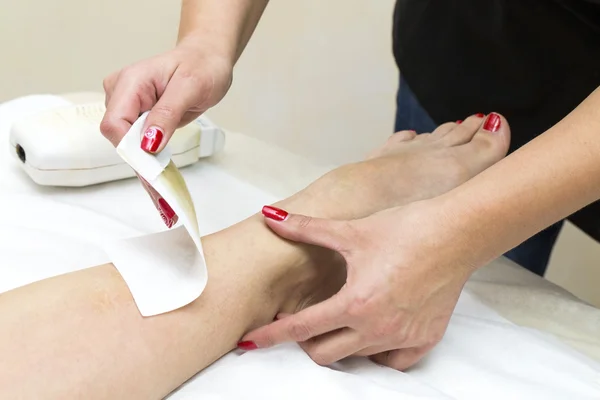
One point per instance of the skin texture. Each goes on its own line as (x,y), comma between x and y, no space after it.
(178,86)
(80,335)
(537,185)
(548,179)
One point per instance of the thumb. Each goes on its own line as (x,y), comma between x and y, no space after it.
(166,115)
(331,234)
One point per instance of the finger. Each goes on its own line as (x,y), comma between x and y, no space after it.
(327,233)
(390,343)
(372,350)
(181,95)
(187,118)
(401,359)
(313,321)
(123,108)
(396,343)
(334,346)
(282,315)
(108,85)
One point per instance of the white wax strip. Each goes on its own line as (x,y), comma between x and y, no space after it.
(167,270)
(149,166)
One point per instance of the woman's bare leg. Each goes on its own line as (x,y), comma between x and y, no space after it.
(80,335)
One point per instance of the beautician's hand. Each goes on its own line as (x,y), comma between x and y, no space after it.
(176,86)
(405,270)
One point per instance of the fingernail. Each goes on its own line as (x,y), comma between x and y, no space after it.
(274,213)
(167,213)
(247,345)
(459,121)
(492,123)
(151,140)
(480,115)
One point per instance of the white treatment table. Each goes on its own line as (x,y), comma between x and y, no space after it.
(513,335)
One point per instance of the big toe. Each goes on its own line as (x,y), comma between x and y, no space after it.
(488,145)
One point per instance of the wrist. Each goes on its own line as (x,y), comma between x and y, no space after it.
(224,26)
(206,44)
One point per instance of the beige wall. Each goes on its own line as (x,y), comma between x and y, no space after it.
(315,70)
(65,45)
(318,78)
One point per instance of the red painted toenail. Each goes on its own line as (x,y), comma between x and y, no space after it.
(459,121)
(480,115)
(247,345)
(492,123)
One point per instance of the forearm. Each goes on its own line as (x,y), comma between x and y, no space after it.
(225,25)
(548,179)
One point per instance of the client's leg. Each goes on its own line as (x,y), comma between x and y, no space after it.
(80,335)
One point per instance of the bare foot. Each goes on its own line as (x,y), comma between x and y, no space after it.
(410,167)
(407,168)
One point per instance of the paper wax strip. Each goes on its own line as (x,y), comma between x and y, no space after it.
(166,270)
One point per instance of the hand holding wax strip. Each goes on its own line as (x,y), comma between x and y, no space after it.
(165,270)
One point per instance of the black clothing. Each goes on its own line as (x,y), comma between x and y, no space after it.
(533,61)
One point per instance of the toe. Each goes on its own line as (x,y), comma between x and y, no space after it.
(463,133)
(392,144)
(403,136)
(489,144)
(443,129)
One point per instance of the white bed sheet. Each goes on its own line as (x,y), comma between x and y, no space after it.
(483,355)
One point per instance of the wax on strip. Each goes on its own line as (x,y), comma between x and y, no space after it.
(165,270)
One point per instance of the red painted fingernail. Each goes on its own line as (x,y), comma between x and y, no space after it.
(459,121)
(247,345)
(492,123)
(480,115)
(167,213)
(274,213)
(152,138)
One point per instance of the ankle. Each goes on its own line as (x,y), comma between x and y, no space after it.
(283,275)
(280,275)
(349,192)
(308,282)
